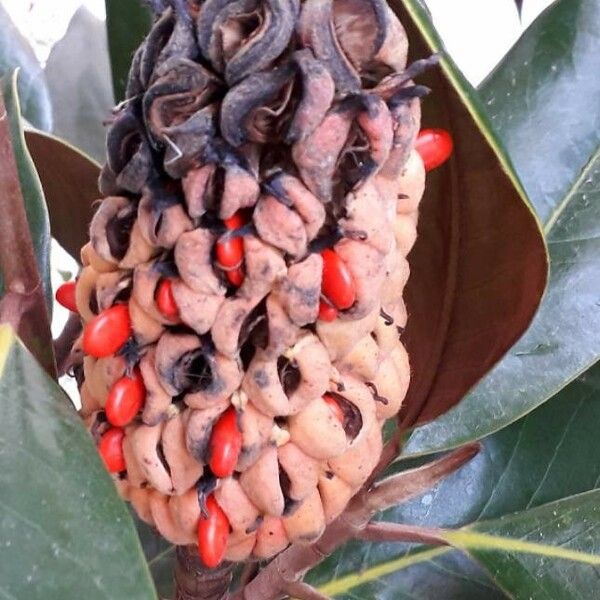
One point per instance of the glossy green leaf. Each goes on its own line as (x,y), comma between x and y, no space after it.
(550,454)
(478,268)
(79,80)
(15,52)
(64,532)
(33,195)
(544,104)
(549,552)
(69,179)
(127,23)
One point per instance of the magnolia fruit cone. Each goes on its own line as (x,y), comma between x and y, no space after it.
(278,135)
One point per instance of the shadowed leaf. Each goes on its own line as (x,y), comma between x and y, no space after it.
(79,80)
(127,23)
(544,104)
(479,266)
(15,51)
(69,179)
(65,532)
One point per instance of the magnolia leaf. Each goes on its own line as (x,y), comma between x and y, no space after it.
(478,268)
(65,533)
(33,195)
(69,179)
(79,80)
(127,23)
(15,52)
(544,104)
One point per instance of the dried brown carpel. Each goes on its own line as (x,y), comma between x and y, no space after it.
(261,197)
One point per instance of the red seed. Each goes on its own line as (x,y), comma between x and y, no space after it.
(213,534)
(107,332)
(110,448)
(337,284)
(225,444)
(327,312)
(165,299)
(65,295)
(335,407)
(236,277)
(435,147)
(234,222)
(125,399)
(230,253)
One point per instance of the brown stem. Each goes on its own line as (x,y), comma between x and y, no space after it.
(64,343)
(193,581)
(408,484)
(398,532)
(23,305)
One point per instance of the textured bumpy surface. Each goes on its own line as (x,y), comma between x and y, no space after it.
(299,118)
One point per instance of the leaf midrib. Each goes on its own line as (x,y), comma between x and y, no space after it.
(573,189)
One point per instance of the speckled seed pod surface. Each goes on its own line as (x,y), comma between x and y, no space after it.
(260,198)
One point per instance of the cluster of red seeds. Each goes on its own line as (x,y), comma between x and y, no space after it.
(241,292)
(108,332)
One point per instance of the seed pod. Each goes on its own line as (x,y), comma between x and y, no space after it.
(285,385)
(261,484)
(136,476)
(241,513)
(300,290)
(148,450)
(90,258)
(280,226)
(392,382)
(240,546)
(363,360)
(271,538)
(110,228)
(164,521)
(158,400)
(184,469)
(307,523)
(85,294)
(259,140)
(197,310)
(317,431)
(339,338)
(302,471)
(112,288)
(193,257)
(256,430)
(161,227)
(89,403)
(264,265)
(356,464)
(140,500)
(100,375)
(335,494)
(146,329)
(185,510)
